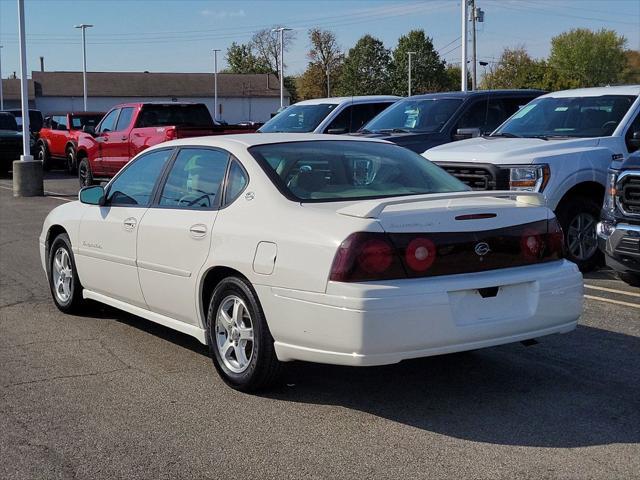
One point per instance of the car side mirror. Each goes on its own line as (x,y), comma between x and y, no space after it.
(463,133)
(93,195)
(89,129)
(337,131)
(634,142)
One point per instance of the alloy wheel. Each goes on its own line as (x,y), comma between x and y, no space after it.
(234,334)
(581,236)
(62,275)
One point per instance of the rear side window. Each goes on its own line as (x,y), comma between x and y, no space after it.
(236,182)
(82,120)
(134,186)
(181,115)
(8,122)
(354,117)
(124,119)
(195,178)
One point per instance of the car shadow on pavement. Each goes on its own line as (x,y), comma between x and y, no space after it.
(572,390)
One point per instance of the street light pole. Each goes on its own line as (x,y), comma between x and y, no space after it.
(281,30)
(409,89)
(215,83)
(83,27)
(1,94)
(463,64)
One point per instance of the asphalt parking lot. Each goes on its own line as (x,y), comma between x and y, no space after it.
(111,395)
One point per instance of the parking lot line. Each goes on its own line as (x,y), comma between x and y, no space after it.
(617,302)
(612,290)
(47,193)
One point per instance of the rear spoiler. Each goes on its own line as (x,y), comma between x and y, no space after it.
(373,208)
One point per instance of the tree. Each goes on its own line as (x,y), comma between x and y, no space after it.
(584,58)
(324,58)
(241,59)
(312,83)
(266,45)
(427,69)
(631,72)
(516,69)
(366,69)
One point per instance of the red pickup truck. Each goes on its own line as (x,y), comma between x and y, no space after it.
(58,138)
(128,129)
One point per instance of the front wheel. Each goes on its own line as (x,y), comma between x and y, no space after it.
(579,217)
(240,343)
(66,289)
(85,177)
(71,161)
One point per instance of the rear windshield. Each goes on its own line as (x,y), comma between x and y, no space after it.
(417,115)
(298,118)
(8,122)
(180,115)
(77,122)
(568,117)
(321,171)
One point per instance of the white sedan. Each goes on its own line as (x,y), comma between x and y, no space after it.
(274,247)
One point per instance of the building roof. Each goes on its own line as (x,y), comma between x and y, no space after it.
(11,89)
(144,84)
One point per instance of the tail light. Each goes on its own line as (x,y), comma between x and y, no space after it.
(555,238)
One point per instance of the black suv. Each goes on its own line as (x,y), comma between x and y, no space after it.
(421,122)
(619,230)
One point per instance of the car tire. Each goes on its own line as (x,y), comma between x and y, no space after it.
(44,157)
(64,283)
(240,343)
(630,278)
(578,217)
(70,160)
(85,176)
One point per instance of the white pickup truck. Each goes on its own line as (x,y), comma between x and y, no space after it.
(560,144)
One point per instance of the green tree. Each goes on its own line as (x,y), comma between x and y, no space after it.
(516,69)
(366,69)
(241,59)
(324,58)
(427,68)
(585,58)
(631,72)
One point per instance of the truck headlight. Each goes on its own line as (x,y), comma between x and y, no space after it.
(529,179)
(609,205)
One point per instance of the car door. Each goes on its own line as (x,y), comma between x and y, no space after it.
(116,148)
(106,256)
(174,238)
(102,138)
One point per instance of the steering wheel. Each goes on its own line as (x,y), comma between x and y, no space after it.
(610,124)
(191,199)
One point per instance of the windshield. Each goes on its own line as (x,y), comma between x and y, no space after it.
(178,115)
(324,171)
(298,118)
(417,115)
(77,122)
(568,117)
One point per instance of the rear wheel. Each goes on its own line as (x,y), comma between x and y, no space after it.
(631,278)
(85,177)
(579,217)
(66,289)
(44,157)
(240,343)
(70,156)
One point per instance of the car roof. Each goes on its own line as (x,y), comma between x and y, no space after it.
(479,93)
(251,139)
(597,91)
(77,114)
(354,99)
(157,102)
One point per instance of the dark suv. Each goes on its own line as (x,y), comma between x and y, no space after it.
(619,230)
(421,122)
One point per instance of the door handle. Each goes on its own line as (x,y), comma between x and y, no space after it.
(199,230)
(124,137)
(130,223)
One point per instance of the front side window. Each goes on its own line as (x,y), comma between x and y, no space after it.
(60,121)
(338,170)
(124,119)
(195,178)
(134,186)
(415,115)
(568,117)
(299,118)
(109,122)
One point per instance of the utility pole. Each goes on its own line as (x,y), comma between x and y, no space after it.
(1,94)
(281,30)
(409,89)
(473,45)
(83,27)
(215,83)
(463,63)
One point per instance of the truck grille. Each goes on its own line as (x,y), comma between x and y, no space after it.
(629,244)
(629,189)
(478,176)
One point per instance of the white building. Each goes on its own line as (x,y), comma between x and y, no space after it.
(241,97)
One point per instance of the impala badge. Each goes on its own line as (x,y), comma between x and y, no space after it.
(482,249)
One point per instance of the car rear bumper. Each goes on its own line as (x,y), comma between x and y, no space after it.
(377,323)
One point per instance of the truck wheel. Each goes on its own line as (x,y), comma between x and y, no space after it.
(239,340)
(631,278)
(85,177)
(578,217)
(44,157)
(70,156)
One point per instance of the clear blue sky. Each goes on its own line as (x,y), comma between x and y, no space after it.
(177,36)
